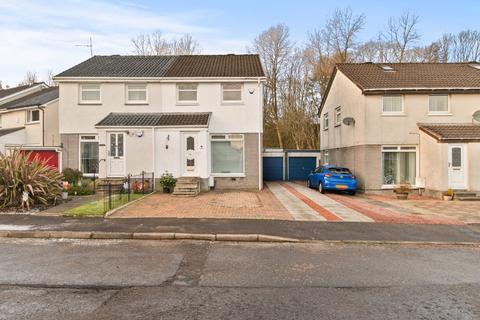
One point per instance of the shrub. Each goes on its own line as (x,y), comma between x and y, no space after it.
(84,189)
(167,180)
(20,173)
(72,175)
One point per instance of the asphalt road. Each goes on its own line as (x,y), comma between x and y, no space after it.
(46,279)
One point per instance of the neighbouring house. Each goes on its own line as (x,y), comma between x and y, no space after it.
(192,116)
(404,123)
(29,120)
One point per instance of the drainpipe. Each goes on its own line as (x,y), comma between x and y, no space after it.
(260,133)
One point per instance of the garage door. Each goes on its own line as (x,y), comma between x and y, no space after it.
(272,168)
(50,156)
(300,167)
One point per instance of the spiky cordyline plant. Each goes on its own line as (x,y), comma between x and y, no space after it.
(20,173)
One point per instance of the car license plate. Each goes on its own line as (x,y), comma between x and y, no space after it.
(340,186)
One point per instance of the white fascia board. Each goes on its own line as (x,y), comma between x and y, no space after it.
(420,88)
(147,127)
(24,92)
(156,79)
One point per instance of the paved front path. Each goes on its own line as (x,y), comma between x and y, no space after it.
(307,204)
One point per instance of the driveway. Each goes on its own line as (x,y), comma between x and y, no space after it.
(294,201)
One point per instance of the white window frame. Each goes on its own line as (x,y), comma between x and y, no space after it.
(325,121)
(338,116)
(400,148)
(80,140)
(439,113)
(186,102)
(229,137)
(233,90)
(29,116)
(82,89)
(128,89)
(393,113)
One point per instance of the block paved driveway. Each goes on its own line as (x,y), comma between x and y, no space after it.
(283,201)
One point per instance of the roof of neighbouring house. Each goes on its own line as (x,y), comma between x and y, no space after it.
(196,119)
(386,76)
(444,132)
(6,131)
(183,66)
(37,98)
(6,92)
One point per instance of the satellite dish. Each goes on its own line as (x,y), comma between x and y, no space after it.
(476,116)
(348,121)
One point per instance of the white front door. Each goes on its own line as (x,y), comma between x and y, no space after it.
(116,154)
(457,168)
(190,150)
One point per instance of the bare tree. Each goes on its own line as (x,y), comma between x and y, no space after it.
(29,79)
(466,46)
(155,44)
(402,34)
(49,78)
(274,47)
(341,31)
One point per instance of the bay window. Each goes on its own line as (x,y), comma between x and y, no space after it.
(136,93)
(90,93)
(89,154)
(399,165)
(228,154)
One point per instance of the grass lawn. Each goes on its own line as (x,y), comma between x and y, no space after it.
(96,208)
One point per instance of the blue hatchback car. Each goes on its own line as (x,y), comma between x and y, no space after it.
(331,177)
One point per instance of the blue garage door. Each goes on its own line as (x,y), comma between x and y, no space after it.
(272,168)
(300,167)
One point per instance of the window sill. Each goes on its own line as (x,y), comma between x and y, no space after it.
(136,103)
(394,114)
(89,103)
(441,114)
(187,103)
(325,129)
(338,125)
(233,103)
(32,122)
(228,175)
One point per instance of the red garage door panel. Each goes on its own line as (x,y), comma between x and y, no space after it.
(46,155)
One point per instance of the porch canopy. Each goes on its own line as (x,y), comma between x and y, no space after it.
(452,132)
(180,119)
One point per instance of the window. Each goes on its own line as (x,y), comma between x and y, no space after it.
(90,93)
(227,154)
(438,104)
(338,116)
(187,93)
(33,116)
(136,93)
(232,92)
(399,165)
(325,121)
(392,104)
(89,154)
(326,157)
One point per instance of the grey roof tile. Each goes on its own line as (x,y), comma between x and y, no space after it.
(6,131)
(155,119)
(452,131)
(37,98)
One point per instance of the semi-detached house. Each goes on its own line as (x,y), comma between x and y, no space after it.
(404,123)
(192,116)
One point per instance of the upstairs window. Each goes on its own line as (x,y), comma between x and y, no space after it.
(338,116)
(136,93)
(232,92)
(392,104)
(187,93)
(90,93)
(325,121)
(33,116)
(438,104)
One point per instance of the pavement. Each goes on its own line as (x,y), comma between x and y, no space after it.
(125,279)
(301,230)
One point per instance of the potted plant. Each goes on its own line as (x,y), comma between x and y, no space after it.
(167,181)
(448,195)
(66,187)
(402,191)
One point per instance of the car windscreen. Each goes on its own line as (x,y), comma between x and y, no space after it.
(339,170)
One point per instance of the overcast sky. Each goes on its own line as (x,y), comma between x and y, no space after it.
(42,35)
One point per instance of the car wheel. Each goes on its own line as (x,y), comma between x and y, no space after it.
(352,193)
(320,188)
